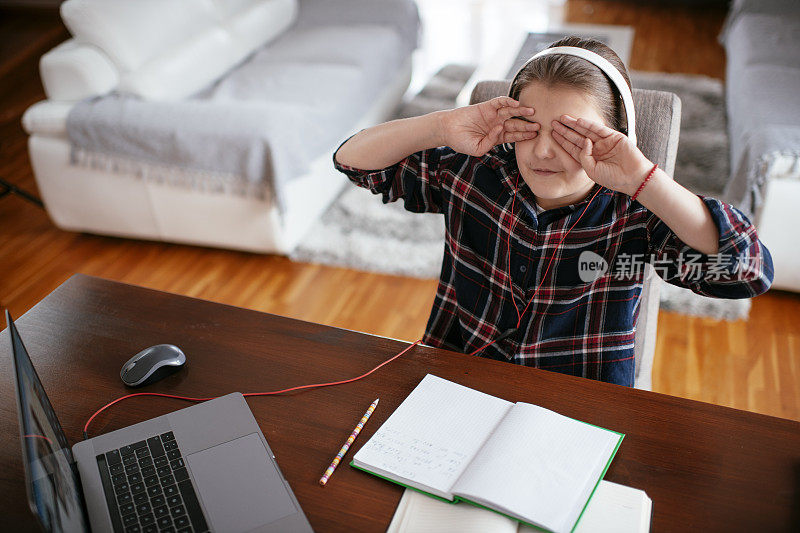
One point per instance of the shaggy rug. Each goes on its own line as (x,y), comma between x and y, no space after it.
(358,231)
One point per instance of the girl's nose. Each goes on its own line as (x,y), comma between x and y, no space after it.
(545,146)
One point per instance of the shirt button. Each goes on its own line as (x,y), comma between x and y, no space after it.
(523,268)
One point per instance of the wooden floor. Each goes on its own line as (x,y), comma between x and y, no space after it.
(752,365)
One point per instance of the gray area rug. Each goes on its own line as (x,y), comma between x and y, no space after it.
(358,231)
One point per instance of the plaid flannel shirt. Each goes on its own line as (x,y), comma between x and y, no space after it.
(578,327)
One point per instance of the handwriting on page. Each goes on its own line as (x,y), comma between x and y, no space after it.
(414,458)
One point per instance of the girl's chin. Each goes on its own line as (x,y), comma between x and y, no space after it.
(555,192)
(555,185)
(547,187)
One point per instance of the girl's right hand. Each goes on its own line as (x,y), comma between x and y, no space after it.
(475,129)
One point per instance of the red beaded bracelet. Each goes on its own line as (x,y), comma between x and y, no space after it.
(650,175)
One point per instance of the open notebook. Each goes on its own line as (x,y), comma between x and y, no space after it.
(613,509)
(456,443)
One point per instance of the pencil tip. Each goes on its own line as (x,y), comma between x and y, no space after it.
(377,400)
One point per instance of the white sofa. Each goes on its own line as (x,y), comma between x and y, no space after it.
(165,51)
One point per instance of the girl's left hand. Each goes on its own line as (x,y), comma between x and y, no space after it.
(608,156)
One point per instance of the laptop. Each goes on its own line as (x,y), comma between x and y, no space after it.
(207,467)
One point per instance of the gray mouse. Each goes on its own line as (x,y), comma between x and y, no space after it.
(152,364)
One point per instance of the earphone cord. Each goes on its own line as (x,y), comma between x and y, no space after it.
(544,276)
(319,385)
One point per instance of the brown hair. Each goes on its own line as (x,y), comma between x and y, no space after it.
(578,73)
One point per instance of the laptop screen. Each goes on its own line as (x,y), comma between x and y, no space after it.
(54,491)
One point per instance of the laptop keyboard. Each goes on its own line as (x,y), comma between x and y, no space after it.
(148,488)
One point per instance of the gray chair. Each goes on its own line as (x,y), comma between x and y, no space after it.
(658,118)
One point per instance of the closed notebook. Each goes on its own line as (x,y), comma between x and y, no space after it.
(613,508)
(524,461)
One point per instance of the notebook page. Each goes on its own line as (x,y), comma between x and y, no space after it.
(418,513)
(434,434)
(616,508)
(538,466)
(613,509)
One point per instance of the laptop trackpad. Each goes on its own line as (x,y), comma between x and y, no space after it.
(239,485)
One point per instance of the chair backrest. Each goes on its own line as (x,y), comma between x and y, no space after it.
(658,120)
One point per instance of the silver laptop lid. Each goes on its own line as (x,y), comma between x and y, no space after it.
(54,491)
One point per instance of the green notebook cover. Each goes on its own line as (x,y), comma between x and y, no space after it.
(460,499)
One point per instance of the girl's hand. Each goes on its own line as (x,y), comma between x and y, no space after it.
(608,156)
(475,129)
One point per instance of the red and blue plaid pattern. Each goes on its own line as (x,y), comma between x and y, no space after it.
(577,327)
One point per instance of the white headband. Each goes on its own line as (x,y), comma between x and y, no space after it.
(604,65)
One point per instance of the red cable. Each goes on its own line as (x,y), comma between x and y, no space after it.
(508,249)
(559,246)
(544,276)
(86,427)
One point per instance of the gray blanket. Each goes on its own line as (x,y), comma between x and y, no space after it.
(263,123)
(771,153)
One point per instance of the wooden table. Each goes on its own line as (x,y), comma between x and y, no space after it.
(706,468)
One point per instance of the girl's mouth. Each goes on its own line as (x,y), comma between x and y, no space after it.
(543,172)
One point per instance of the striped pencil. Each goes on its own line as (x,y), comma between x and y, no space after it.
(350,439)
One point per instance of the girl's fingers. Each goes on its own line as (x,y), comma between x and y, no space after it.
(507,112)
(570,147)
(494,137)
(571,135)
(521,125)
(588,128)
(496,133)
(586,159)
(519,136)
(503,101)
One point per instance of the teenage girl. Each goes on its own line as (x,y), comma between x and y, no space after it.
(551,212)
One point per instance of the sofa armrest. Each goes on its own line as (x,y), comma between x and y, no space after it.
(73,71)
(47,117)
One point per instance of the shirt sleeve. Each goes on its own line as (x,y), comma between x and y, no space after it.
(417,179)
(742,268)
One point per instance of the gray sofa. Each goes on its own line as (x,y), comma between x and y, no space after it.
(762,45)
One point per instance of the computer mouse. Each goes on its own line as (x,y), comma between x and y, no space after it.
(152,364)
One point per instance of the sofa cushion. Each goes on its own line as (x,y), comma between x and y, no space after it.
(260,22)
(763,96)
(133,33)
(332,71)
(763,74)
(170,49)
(763,39)
(229,8)
(400,16)
(73,71)
(178,73)
(762,6)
